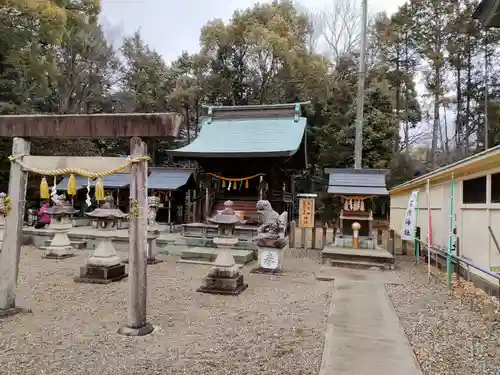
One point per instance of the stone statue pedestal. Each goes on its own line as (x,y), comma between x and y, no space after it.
(104,266)
(60,246)
(270,260)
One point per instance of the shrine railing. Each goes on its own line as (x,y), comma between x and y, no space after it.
(283,196)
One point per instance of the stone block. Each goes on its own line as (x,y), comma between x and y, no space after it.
(101,274)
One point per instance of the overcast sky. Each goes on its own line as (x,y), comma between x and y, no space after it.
(172,26)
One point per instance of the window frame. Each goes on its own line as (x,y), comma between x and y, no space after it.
(487,183)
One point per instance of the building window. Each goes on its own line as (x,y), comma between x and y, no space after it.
(474,190)
(495,188)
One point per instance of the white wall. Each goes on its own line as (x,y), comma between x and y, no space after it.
(473,220)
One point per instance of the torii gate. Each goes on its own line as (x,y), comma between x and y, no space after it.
(24,127)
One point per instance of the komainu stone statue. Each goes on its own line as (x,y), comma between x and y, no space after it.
(153,205)
(271,233)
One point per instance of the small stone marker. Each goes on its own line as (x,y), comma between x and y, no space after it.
(269,259)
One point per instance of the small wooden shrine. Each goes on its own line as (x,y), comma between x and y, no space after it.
(248,153)
(356,189)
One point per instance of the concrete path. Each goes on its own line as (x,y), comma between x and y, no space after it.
(364,335)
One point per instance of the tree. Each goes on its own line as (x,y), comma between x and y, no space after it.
(341,29)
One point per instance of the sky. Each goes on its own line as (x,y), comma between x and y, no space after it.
(173,26)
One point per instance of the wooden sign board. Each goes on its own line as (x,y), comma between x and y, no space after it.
(306,213)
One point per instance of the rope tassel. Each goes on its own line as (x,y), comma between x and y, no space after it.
(72,185)
(44,189)
(99,190)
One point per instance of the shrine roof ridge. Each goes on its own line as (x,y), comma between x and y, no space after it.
(254,106)
(356,171)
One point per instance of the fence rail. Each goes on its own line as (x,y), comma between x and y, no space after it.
(455,258)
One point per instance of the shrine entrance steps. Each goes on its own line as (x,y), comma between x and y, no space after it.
(378,259)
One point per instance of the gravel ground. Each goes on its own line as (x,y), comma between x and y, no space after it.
(457,334)
(275,327)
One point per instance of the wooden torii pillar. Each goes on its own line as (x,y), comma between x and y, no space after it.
(22,129)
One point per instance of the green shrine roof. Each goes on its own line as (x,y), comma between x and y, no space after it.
(248,131)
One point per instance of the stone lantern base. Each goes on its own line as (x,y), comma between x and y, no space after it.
(224,278)
(104,266)
(60,246)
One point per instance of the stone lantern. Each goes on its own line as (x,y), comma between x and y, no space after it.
(60,246)
(225,276)
(104,266)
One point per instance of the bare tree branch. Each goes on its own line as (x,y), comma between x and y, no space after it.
(341,28)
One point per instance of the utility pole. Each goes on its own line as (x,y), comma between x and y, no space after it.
(360,97)
(486,66)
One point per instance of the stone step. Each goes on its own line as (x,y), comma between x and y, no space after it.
(201,262)
(360,264)
(361,255)
(207,254)
(77,244)
(209,243)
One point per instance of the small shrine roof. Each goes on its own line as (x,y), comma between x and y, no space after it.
(169,179)
(117,180)
(346,181)
(248,131)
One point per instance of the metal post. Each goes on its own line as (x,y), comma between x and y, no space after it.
(313,240)
(325,232)
(169,208)
(360,97)
(293,230)
(303,238)
(417,245)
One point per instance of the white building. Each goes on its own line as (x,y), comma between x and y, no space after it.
(477,207)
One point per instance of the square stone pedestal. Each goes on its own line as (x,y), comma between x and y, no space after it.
(101,274)
(224,285)
(270,261)
(4,313)
(52,255)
